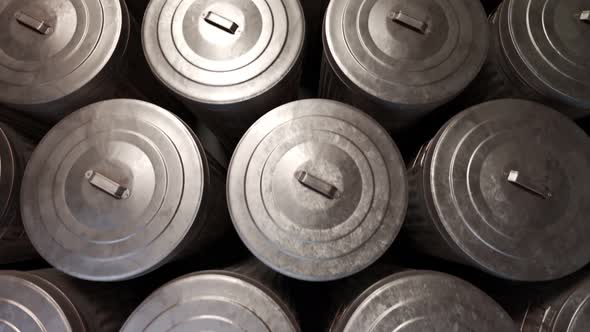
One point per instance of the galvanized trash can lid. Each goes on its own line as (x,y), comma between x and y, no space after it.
(8,178)
(111,191)
(425,301)
(407,52)
(574,314)
(317,190)
(212,301)
(218,52)
(508,181)
(547,43)
(29,303)
(51,48)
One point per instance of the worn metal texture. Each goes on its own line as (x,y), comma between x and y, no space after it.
(561,306)
(317,190)
(77,56)
(399,60)
(229,62)
(422,301)
(119,188)
(539,51)
(241,298)
(49,301)
(497,189)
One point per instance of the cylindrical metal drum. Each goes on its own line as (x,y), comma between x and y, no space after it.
(399,59)
(238,299)
(230,61)
(317,190)
(49,301)
(60,55)
(422,301)
(119,188)
(561,306)
(14,153)
(539,51)
(500,188)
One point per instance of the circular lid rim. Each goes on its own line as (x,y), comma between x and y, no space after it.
(528,66)
(154,261)
(96,61)
(571,305)
(361,300)
(332,33)
(57,304)
(438,198)
(245,281)
(271,259)
(187,88)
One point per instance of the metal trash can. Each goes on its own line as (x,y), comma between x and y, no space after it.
(317,190)
(231,62)
(14,153)
(399,60)
(60,55)
(422,301)
(119,188)
(539,51)
(243,298)
(49,301)
(499,188)
(553,307)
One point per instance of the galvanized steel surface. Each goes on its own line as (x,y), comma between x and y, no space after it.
(423,301)
(537,53)
(317,190)
(58,55)
(32,304)
(544,44)
(568,312)
(117,189)
(232,61)
(212,301)
(499,188)
(398,60)
(49,301)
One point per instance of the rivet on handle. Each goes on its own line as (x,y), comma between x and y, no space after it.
(33,23)
(107,185)
(221,22)
(585,16)
(316,184)
(523,182)
(409,21)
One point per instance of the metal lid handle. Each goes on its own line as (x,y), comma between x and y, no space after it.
(522,181)
(585,16)
(316,184)
(107,185)
(409,21)
(221,22)
(33,23)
